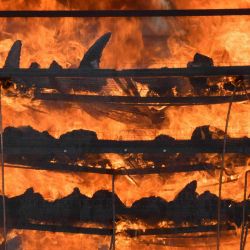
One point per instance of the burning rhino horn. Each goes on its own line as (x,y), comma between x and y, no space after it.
(201,61)
(200,83)
(35,65)
(92,57)
(207,132)
(13,58)
(55,65)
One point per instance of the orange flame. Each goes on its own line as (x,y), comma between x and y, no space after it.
(136,42)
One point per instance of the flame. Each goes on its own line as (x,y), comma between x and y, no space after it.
(135,43)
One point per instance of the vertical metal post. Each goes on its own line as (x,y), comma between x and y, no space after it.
(2,172)
(244,224)
(112,244)
(222,170)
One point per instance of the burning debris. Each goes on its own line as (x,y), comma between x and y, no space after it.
(138,98)
(166,86)
(25,145)
(141,100)
(31,207)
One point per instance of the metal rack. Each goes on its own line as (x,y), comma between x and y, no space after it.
(147,73)
(127,13)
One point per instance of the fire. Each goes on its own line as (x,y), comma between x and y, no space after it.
(135,43)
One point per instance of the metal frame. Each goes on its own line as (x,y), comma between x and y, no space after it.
(235,145)
(129,232)
(117,172)
(134,73)
(125,13)
(112,245)
(188,72)
(139,101)
(244,227)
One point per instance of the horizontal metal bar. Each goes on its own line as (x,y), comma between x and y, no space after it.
(140,73)
(63,168)
(177,230)
(129,232)
(134,171)
(124,147)
(124,13)
(64,229)
(135,100)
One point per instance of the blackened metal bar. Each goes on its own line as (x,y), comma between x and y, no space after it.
(162,170)
(64,168)
(134,171)
(244,223)
(241,145)
(129,232)
(113,213)
(177,230)
(245,238)
(222,167)
(125,13)
(139,101)
(134,73)
(64,229)
(3,175)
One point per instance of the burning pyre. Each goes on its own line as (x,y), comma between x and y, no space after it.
(165,159)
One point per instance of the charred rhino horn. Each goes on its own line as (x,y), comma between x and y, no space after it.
(93,56)
(13,58)
(55,65)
